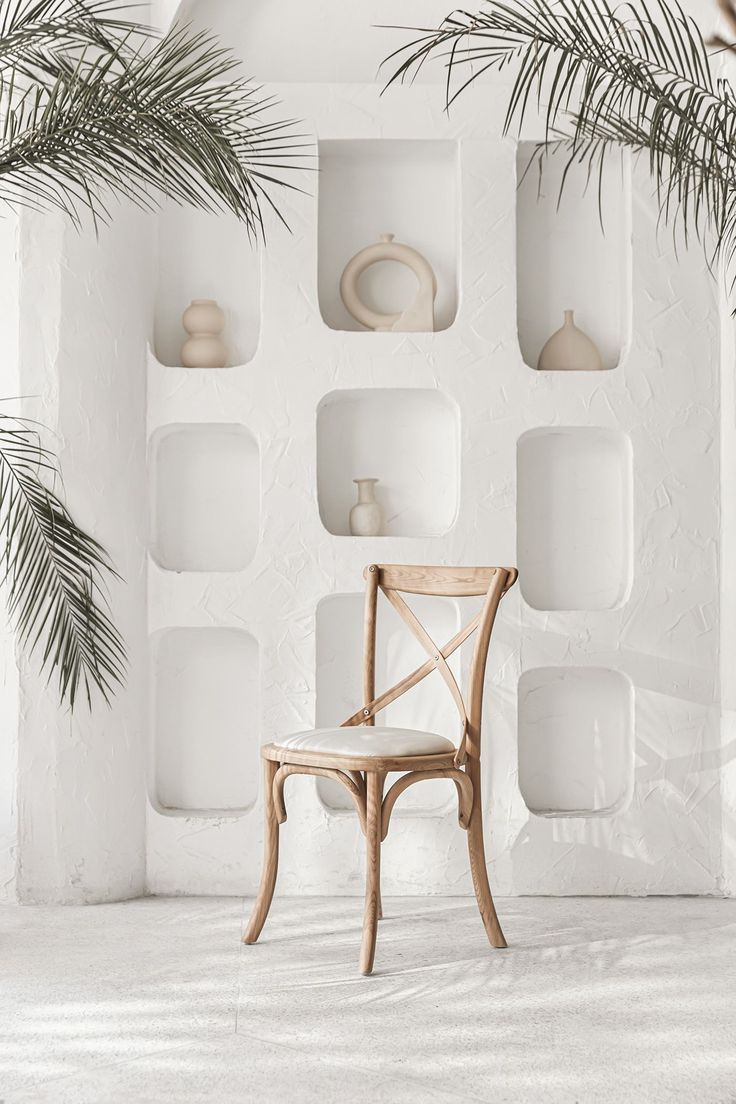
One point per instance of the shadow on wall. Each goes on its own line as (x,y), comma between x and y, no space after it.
(610,854)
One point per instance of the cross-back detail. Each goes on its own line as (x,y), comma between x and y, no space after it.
(390,580)
(375,705)
(433,651)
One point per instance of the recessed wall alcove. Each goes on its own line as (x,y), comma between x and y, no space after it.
(566,259)
(406,438)
(206,720)
(576,741)
(574,518)
(205,486)
(428,706)
(206,256)
(372,187)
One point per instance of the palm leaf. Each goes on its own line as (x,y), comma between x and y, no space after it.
(54,572)
(28,26)
(96,108)
(636,75)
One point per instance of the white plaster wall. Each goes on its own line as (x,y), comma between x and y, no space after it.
(9,688)
(663,398)
(85,307)
(86,304)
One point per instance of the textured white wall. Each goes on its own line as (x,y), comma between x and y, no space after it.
(342,41)
(728,598)
(84,311)
(9,389)
(664,398)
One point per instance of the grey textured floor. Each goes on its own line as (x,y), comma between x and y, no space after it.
(156,1000)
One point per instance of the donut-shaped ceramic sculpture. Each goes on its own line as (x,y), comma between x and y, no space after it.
(417,317)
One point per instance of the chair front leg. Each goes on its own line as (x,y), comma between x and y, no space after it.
(372,911)
(478,869)
(270,856)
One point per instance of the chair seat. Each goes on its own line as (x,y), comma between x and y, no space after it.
(367,741)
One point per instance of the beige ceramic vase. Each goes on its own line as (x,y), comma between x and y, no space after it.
(417,318)
(569,350)
(204,321)
(366,517)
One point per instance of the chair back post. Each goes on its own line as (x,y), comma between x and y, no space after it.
(372,575)
(499,585)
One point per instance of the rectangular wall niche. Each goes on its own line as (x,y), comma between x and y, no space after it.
(574,518)
(406,438)
(206,720)
(206,256)
(205,497)
(427,707)
(375,187)
(576,750)
(565,259)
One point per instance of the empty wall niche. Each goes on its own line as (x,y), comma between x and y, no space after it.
(574,518)
(565,259)
(205,497)
(428,706)
(206,256)
(408,439)
(206,720)
(576,741)
(375,187)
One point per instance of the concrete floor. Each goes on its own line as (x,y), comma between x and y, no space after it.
(596,1000)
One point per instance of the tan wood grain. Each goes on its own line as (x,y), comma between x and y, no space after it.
(450,582)
(364,775)
(411,680)
(359,779)
(383,763)
(434,652)
(478,665)
(270,856)
(287,769)
(460,778)
(369,639)
(478,868)
(372,908)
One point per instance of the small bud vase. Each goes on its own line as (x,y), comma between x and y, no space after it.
(569,350)
(203,320)
(366,517)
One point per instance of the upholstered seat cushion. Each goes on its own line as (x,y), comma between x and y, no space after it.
(367,741)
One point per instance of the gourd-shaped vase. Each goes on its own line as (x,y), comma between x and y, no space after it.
(366,517)
(569,350)
(203,320)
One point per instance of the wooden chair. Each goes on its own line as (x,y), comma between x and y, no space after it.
(359,754)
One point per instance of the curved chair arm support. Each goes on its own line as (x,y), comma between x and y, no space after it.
(326,772)
(359,781)
(459,777)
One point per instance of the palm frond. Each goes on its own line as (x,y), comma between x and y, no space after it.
(105,110)
(30,28)
(636,75)
(97,107)
(54,572)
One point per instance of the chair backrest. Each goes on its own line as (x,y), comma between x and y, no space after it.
(455,582)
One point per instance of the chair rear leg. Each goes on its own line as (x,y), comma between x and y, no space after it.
(478,870)
(270,857)
(374,780)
